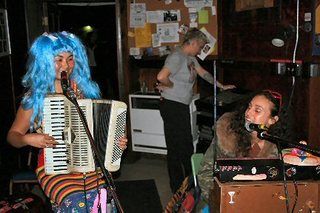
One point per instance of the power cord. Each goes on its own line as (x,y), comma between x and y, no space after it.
(285,184)
(296,195)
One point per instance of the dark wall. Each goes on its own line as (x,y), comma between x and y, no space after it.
(247,35)
(262,75)
(12,68)
(34,19)
(102,20)
(250,59)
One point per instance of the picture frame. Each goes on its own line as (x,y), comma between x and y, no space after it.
(5,48)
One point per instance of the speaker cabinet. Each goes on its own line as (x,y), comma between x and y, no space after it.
(264,196)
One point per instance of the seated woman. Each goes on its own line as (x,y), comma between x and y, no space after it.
(234,141)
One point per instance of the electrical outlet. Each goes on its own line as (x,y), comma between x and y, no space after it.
(293,69)
(314,70)
(281,68)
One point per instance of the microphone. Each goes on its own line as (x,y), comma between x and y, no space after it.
(250,127)
(64,82)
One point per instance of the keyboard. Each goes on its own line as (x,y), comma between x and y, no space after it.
(237,168)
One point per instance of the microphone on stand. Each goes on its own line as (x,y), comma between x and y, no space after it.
(64,82)
(67,91)
(250,127)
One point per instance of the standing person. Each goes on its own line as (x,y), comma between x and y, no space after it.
(106,59)
(177,78)
(102,57)
(91,45)
(49,55)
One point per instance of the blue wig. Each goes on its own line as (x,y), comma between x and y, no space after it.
(40,77)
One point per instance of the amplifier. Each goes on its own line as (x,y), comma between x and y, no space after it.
(264,196)
(271,169)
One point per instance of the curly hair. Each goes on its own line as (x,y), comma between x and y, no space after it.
(281,128)
(194,34)
(40,76)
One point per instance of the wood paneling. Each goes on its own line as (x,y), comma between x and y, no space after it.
(245,41)
(314,115)
(247,35)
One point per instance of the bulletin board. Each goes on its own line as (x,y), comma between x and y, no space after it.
(315,47)
(157,34)
(317,24)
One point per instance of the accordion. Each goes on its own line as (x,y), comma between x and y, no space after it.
(73,154)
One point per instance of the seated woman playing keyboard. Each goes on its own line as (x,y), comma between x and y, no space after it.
(235,141)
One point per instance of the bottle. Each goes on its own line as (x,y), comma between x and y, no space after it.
(113,207)
(143,87)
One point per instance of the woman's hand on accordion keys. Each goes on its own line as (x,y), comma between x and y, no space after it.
(40,140)
(123,143)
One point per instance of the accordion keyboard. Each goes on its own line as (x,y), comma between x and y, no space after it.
(54,124)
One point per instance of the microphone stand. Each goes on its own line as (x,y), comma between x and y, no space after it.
(215,166)
(275,139)
(70,95)
(280,141)
(263,135)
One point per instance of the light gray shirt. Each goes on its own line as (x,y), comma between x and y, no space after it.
(183,76)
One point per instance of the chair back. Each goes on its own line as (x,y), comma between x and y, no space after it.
(196,160)
(26,175)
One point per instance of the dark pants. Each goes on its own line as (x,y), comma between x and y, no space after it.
(177,130)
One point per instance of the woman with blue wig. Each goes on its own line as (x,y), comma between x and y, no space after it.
(49,55)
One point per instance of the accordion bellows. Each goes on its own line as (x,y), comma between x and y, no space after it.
(106,120)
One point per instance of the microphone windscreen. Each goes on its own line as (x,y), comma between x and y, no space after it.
(247,126)
(63,75)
